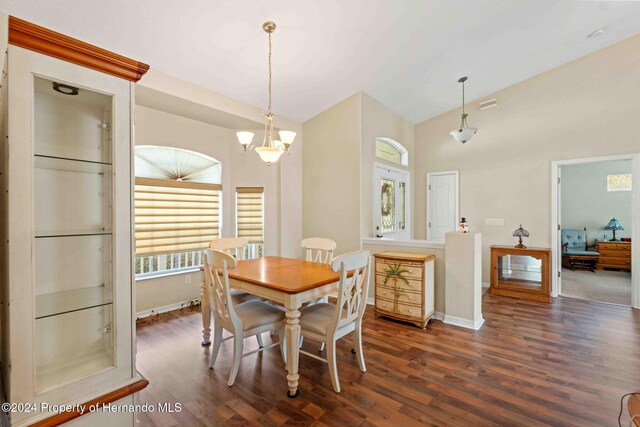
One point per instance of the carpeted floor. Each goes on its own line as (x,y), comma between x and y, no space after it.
(603,285)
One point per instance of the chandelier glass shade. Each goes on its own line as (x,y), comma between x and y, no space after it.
(271,149)
(464,132)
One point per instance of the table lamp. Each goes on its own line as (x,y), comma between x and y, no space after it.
(614,225)
(520,233)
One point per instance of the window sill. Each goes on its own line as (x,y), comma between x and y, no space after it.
(167,274)
(414,243)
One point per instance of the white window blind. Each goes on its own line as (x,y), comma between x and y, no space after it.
(173,216)
(250,213)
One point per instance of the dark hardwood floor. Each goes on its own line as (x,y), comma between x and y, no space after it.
(564,363)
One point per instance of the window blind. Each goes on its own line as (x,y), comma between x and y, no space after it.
(175,216)
(250,213)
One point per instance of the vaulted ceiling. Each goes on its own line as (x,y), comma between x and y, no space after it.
(407,54)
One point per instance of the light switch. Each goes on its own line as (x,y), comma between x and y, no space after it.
(495,222)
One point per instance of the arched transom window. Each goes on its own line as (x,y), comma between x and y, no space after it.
(392,151)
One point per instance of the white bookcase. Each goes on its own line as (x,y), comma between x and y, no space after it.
(68,316)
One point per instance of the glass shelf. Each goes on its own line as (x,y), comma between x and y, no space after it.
(74,300)
(72,233)
(45,156)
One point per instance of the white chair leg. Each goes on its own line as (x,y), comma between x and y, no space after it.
(237,356)
(259,338)
(301,340)
(331,361)
(357,344)
(217,340)
(321,347)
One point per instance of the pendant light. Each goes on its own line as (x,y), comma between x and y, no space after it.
(464,132)
(271,149)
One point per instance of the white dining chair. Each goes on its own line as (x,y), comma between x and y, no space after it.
(328,322)
(236,246)
(318,249)
(246,319)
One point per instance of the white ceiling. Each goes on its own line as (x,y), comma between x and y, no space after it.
(407,54)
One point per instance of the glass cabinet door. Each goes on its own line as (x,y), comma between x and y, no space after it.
(72,190)
(521,271)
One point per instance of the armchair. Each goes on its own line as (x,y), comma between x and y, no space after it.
(575,250)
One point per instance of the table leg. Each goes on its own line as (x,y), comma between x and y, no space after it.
(292,333)
(206,315)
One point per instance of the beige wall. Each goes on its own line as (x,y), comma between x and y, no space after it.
(579,110)
(331,175)
(378,121)
(587,203)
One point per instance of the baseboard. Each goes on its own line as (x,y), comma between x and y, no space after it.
(486,284)
(464,323)
(438,315)
(167,308)
(371,301)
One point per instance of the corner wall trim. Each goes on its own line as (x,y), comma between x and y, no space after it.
(464,323)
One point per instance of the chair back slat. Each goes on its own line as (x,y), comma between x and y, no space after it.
(319,249)
(216,269)
(352,291)
(234,246)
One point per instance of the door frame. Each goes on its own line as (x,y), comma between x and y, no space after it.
(556,259)
(456,174)
(408,198)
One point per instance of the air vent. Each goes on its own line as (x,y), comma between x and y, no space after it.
(490,103)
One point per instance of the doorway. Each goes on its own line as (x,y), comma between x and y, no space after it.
(595,204)
(443,207)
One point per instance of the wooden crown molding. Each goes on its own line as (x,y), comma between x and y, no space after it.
(83,408)
(39,39)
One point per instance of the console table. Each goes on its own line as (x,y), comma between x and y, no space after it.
(520,272)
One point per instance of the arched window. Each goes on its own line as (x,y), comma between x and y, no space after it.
(392,151)
(177,208)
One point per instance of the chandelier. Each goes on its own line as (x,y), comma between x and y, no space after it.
(270,150)
(464,132)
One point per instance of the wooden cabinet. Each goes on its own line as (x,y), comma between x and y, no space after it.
(404,286)
(521,273)
(68,323)
(614,255)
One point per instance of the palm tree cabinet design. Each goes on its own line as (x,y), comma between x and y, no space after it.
(404,286)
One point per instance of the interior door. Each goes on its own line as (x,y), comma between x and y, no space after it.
(442,201)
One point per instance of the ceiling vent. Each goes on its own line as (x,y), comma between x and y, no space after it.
(490,103)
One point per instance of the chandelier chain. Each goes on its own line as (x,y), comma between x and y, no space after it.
(269,72)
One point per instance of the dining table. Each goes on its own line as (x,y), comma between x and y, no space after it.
(285,281)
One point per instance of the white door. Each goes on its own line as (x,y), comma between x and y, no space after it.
(442,204)
(391,203)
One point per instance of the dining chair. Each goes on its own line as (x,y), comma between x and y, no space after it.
(245,319)
(318,249)
(235,246)
(328,322)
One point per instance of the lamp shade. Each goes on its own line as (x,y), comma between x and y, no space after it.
(521,232)
(463,134)
(245,138)
(614,224)
(287,137)
(269,154)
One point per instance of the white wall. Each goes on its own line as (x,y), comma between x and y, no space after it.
(585,201)
(581,109)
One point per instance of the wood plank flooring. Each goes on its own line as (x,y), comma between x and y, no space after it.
(563,364)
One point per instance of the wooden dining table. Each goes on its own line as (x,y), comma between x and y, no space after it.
(288,282)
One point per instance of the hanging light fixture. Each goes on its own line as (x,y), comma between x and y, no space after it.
(464,133)
(271,149)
